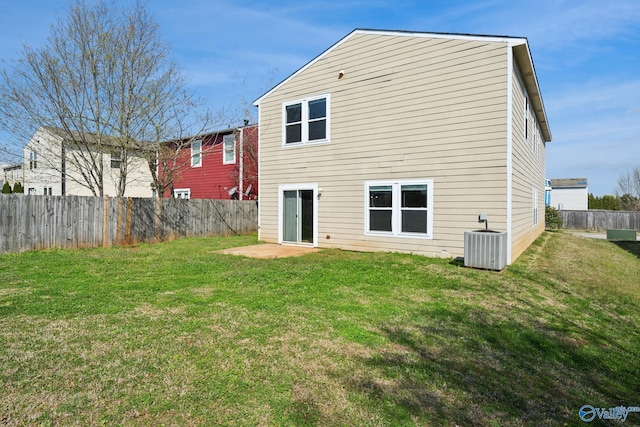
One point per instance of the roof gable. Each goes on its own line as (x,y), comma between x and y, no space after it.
(520,50)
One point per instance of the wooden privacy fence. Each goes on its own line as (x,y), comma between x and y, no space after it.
(600,220)
(30,222)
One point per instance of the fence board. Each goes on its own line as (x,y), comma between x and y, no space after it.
(600,220)
(30,222)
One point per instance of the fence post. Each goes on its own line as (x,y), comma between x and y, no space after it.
(127,232)
(105,221)
(158,218)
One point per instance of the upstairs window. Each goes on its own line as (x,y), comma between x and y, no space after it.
(229,148)
(306,121)
(196,154)
(116,159)
(33,160)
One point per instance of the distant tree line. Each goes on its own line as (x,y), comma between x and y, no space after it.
(627,194)
(626,202)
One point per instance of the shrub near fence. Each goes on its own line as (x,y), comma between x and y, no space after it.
(30,222)
(601,220)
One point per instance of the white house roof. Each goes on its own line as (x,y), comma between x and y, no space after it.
(569,183)
(520,50)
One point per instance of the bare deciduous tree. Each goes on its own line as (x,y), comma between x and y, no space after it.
(628,189)
(106,80)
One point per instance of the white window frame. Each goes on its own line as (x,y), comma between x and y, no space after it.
(33,160)
(535,207)
(116,158)
(196,153)
(396,208)
(304,102)
(226,140)
(296,187)
(180,193)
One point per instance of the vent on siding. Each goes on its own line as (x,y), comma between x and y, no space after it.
(485,249)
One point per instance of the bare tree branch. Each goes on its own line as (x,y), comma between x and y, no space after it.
(106,80)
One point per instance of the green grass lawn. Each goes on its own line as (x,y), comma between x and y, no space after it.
(177,334)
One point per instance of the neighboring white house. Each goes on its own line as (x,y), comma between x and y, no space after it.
(570,194)
(12,174)
(51,167)
(397,141)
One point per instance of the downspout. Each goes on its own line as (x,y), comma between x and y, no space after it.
(241,168)
(509,150)
(63,187)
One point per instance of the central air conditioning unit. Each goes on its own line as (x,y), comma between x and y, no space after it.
(485,249)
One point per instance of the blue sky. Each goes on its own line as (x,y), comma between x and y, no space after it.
(586,54)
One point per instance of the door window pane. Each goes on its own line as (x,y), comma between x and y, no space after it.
(298,216)
(290,220)
(306,221)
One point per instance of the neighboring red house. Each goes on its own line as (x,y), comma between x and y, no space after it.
(217,165)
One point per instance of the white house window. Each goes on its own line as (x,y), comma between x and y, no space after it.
(399,208)
(381,208)
(306,120)
(48,191)
(182,193)
(229,147)
(33,160)
(414,208)
(31,191)
(196,154)
(116,159)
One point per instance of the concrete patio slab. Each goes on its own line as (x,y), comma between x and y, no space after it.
(269,250)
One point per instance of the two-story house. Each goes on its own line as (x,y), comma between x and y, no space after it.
(56,164)
(12,174)
(397,141)
(217,165)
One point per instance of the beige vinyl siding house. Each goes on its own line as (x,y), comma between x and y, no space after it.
(397,141)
